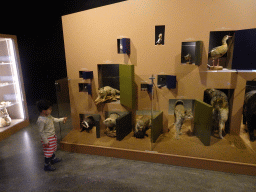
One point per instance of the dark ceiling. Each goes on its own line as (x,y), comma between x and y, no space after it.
(38,27)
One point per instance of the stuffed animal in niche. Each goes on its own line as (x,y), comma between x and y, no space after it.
(5,119)
(107,93)
(249,113)
(142,125)
(219,101)
(180,115)
(218,52)
(188,58)
(110,122)
(2,122)
(87,124)
(160,39)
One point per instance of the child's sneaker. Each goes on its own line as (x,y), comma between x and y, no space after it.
(49,168)
(56,160)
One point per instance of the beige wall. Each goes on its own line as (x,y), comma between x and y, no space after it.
(91,38)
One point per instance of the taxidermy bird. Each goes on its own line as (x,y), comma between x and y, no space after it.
(188,58)
(159,41)
(219,51)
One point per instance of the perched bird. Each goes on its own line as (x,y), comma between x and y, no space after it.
(219,51)
(188,58)
(159,41)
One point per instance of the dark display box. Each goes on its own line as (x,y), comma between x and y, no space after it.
(109,75)
(194,49)
(166,80)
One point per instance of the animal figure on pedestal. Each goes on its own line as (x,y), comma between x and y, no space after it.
(249,113)
(218,52)
(107,93)
(219,101)
(142,125)
(87,124)
(110,122)
(180,115)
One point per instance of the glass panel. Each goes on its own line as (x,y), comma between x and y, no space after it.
(63,107)
(11,96)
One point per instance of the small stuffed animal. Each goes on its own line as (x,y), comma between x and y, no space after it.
(110,122)
(107,93)
(249,113)
(142,125)
(180,115)
(2,122)
(5,118)
(159,41)
(219,101)
(87,124)
(188,58)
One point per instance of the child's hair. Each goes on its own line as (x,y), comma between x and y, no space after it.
(43,105)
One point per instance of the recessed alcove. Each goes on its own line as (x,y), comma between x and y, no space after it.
(230,95)
(96,118)
(191,52)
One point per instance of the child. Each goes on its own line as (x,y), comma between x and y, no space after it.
(47,132)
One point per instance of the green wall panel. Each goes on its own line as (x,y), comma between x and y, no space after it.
(157,125)
(203,121)
(127,86)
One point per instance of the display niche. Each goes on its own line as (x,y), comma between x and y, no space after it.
(86,74)
(13,110)
(122,126)
(215,122)
(123,46)
(191,52)
(249,111)
(206,119)
(221,45)
(230,49)
(168,81)
(244,50)
(90,121)
(119,77)
(159,35)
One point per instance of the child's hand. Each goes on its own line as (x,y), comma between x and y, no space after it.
(65,119)
(46,145)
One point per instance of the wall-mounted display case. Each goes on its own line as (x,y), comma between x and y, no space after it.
(123,46)
(191,52)
(12,96)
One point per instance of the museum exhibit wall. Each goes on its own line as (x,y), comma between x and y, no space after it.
(90,38)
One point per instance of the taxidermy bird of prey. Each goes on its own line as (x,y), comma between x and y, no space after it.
(219,51)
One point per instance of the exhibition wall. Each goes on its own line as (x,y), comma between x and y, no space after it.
(91,38)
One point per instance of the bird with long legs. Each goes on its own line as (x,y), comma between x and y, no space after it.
(218,52)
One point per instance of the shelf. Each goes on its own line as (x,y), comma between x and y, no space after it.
(14,122)
(9,105)
(6,63)
(6,84)
(231,71)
